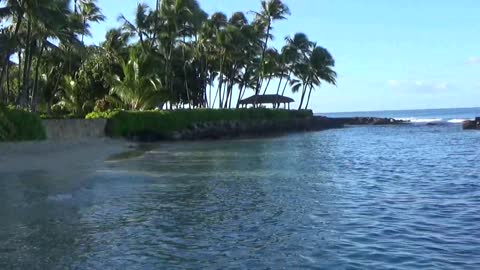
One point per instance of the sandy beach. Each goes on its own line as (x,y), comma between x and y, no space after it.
(62,157)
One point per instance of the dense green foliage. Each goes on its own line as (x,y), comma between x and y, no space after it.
(20,125)
(162,123)
(172,56)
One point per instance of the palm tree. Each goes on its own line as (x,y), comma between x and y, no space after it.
(116,42)
(71,97)
(272,10)
(322,63)
(90,12)
(294,52)
(271,66)
(138,89)
(60,24)
(44,19)
(13,11)
(140,27)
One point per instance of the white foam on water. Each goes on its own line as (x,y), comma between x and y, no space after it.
(421,120)
(457,121)
(433,120)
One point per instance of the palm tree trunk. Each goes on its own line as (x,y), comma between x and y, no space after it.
(3,75)
(37,73)
(268,83)
(239,96)
(308,98)
(222,59)
(185,71)
(219,91)
(224,94)
(279,85)
(7,93)
(215,99)
(262,58)
(303,97)
(20,67)
(286,83)
(210,101)
(84,27)
(6,62)
(229,96)
(23,95)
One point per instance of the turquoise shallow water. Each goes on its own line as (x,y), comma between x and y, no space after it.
(399,197)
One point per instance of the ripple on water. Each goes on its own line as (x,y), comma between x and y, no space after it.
(357,198)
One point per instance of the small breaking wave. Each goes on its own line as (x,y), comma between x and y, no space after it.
(421,120)
(457,121)
(415,120)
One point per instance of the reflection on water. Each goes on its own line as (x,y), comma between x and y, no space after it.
(399,197)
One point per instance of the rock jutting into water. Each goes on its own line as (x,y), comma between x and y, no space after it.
(234,129)
(369,121)
(475,124)
(78,129)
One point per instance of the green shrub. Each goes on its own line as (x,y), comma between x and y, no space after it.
(6,127)
(163,123)
(101,115)
(64,116)
(19,125)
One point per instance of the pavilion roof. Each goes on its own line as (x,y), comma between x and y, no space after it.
(266,99)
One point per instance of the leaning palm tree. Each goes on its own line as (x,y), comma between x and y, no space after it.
(138,89)
(321,62)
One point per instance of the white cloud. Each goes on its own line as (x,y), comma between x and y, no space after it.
(473,60)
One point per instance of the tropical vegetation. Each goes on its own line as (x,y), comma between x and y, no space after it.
(170,56)
(20,125)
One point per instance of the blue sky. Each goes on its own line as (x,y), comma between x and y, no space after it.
(389,55)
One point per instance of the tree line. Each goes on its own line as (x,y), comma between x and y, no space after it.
(172,55)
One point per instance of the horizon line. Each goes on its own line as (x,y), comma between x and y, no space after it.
(399,110)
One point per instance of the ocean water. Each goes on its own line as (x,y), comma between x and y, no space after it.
(454,116)
(371,197)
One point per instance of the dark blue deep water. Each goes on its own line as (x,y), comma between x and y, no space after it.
(398,197)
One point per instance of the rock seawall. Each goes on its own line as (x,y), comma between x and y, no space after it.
(235,129)
(73,129)
(475,124)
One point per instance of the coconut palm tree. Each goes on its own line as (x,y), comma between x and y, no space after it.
(272,10)
(271,66)
(140,27)
(43,19)
(322,63)
(90,12)
(12,11)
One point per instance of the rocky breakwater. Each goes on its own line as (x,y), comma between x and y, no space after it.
(368,121)
(254,128)
(472,124)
